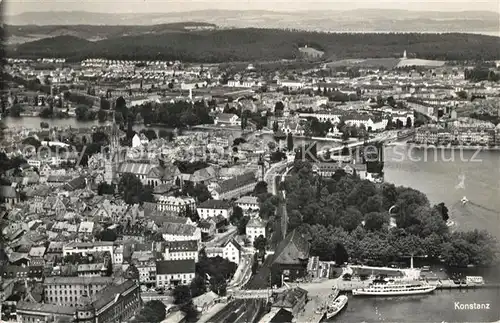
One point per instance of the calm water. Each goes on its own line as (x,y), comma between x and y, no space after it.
(436,307)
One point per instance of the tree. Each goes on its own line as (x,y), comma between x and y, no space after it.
(408,122)
(201,193)
(389,125)
(341,256)
(198,286)
(107,235)
(82,112)
(275,126)
(149,133)
(289,141)
(260,188)
(236,215)
(152,312)
(242,224)
(15,110)
(105,189)
(169,135)
(102,115)
(260,244)
(442,210)
(218,284)
(132,190)
(375,221)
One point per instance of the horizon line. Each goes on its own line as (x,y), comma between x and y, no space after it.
(265,10)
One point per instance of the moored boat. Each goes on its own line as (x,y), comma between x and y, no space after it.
(335,306)
(395,289)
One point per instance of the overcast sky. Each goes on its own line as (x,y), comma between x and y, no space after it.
(120,6)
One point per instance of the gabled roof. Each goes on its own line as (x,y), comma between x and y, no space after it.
(289,298)
(293,250)
(215,204)
(167,267)
(236,182)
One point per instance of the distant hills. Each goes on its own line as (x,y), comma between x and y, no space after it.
(365,20)
(174,42)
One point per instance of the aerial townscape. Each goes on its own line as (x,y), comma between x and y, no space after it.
(190,172)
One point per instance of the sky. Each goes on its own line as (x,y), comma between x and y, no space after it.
(146,6)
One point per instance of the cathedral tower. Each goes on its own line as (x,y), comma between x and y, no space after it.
(113,155)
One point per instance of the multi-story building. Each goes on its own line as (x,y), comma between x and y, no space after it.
(180,232)
(175,204)
(85,248)
(181,250)
(248,203)
(256,227)
(170,273)
(212,208)
(231,251)
(28,312)
(235,187)
(145,263)
(91,270)
(66,291)
(115,303)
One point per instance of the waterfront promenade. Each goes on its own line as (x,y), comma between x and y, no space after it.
(309,313)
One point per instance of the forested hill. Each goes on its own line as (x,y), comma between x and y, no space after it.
(251,44)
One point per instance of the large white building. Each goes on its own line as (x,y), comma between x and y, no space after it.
(248,203)
(213,208)
(85,248)
(180,232)
(170,273)
(181,250)
(175,204)
(230,251)
(256,227)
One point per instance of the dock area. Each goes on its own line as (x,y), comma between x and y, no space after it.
(348,286)
(309,314)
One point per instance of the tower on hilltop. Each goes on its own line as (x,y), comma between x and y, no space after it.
(112,159)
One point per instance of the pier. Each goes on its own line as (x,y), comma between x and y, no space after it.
(348,286)
(309,314)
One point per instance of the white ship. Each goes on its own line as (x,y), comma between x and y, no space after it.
(335,306)
(395,289)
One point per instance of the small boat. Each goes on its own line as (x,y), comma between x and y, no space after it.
(321,310)
(464,200)
(336,306)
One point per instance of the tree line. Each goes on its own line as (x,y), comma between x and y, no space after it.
(352,212)
(254,44)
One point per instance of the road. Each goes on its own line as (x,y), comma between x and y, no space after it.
(243,272)
(270,175)
(221,239)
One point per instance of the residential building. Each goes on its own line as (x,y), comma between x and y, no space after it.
(170,273)
(145,263)
(227,119)
(92,270)
(248,203)
(178,205)
(67,291)
(180,232)
(213,208)
(256,227)
(181,250)
(85,248)
(232,251)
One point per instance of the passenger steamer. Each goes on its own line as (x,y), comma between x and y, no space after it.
(394,289)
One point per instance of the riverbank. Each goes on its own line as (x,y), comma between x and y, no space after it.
(448,147)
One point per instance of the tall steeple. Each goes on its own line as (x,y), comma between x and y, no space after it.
(111,161)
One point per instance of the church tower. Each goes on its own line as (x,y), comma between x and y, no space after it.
(404,55)
(112,159)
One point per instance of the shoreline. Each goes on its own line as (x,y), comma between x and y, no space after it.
(461,147)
